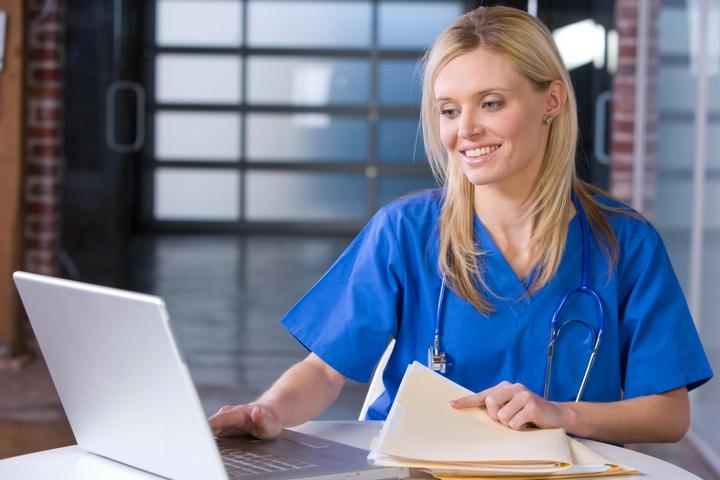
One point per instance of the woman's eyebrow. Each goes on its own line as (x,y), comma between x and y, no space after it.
(481,93)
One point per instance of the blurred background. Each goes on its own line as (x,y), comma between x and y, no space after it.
(222,153)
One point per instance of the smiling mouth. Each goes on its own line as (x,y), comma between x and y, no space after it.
(479,154)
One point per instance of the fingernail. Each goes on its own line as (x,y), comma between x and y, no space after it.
(452,403)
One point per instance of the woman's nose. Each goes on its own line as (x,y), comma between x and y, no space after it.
(470,125)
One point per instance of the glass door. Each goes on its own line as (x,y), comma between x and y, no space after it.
(688,187)
(102,133)
(283,115)
(585,35)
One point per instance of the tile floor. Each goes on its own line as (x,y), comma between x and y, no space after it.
(225,295)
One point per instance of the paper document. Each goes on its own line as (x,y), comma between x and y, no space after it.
(423,431)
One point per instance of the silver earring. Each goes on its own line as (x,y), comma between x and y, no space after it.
(547,120)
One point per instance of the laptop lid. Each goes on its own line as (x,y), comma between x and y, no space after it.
(126,392)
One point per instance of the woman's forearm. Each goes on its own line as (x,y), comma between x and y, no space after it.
(303,392)
(654,418)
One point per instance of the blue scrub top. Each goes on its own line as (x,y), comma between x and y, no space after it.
(386,284)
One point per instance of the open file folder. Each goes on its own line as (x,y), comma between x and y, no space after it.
(423,431)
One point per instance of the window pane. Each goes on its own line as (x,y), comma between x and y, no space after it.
(207,23)
(677,87)
(400,141)
(674,31)
(415,25)
(319,24)
(393,187)
(307,81)
(315,137)
(297,197)
(183,78)
(197,136)
(399,82)
(676,201)
(193,194)
(676,145)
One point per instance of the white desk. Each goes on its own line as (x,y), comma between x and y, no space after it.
(71,463)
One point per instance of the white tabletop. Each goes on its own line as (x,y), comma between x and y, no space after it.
(71,463)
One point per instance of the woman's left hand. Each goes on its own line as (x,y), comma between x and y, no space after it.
(513,405)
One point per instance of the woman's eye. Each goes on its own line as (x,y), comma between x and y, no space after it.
(492,104)
(449,112)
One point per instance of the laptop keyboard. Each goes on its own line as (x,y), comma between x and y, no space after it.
(239,463)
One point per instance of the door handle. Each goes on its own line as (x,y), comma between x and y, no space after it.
(110,119)
(601,108)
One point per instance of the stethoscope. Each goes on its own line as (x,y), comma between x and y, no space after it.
(438,360)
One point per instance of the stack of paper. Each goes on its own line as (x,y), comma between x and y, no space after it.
(423,431)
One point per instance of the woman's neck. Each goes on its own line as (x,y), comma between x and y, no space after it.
(502,215)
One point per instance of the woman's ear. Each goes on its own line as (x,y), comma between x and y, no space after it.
(555,98)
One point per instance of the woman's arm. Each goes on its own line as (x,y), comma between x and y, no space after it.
(663,417)
(303,392)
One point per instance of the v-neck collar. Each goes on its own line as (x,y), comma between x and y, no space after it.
(506,284)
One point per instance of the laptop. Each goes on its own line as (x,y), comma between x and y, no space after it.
(129,397)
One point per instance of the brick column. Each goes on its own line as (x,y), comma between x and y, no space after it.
(43,145)
(624,90)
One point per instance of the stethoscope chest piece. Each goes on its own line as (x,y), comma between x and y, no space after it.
(437,361)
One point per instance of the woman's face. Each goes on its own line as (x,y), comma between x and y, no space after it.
(491,119)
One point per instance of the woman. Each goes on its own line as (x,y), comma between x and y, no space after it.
(484,261)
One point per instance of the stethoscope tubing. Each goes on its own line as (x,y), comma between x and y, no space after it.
(584,289)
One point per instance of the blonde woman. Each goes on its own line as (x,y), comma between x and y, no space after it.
(514,253)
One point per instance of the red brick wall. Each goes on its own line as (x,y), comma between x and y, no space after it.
(623,119)
(43,144)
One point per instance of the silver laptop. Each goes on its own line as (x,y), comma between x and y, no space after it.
(129,397)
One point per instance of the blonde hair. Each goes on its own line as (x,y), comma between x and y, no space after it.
(528,45)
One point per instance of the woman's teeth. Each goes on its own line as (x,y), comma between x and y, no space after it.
(479,152)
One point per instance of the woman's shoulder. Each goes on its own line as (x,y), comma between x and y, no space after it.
(625,221)
(420,207)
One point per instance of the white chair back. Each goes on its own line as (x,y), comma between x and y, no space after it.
(376,387)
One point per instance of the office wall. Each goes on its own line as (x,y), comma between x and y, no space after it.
(11,156)
(45,58)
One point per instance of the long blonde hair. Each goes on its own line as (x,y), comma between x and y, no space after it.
(528,45)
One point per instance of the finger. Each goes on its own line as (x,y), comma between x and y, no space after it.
(522,419)
(264,423)
(474,400)
(511,408)
(230,421)
(478,399)
(497,399)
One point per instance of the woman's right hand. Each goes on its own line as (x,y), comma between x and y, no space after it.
(258,420)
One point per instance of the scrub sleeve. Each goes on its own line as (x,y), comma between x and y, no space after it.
(349,316)
(661,348)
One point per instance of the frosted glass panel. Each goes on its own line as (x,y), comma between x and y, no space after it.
(213,79)
(674,205)
(415,25)
(393,187)
(306,137)
(319,24)
(674,31)
(677,88)
(197,136)
(203,23)
(676,145)
(307,81)
(399,82)
(400,141)
(194,194)
(279,196)
(705,414)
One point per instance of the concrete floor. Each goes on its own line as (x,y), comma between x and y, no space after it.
(225,296)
